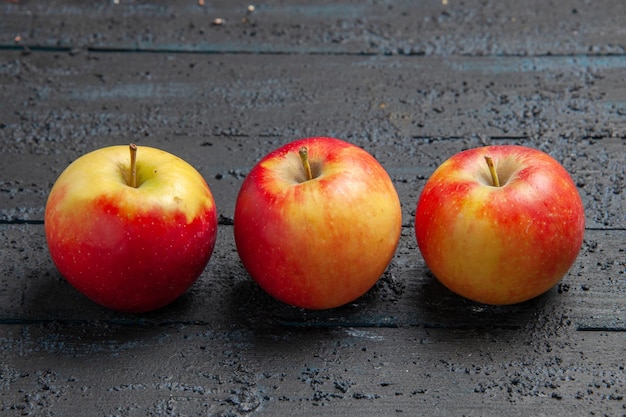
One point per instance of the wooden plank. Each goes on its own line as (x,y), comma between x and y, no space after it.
(197,370)
(223,113)
(29,178)
(405,27)
(592,296)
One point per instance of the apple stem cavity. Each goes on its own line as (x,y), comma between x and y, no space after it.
(495,181)
(304,157)
(133,165)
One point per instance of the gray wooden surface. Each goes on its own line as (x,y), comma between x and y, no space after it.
(412,83)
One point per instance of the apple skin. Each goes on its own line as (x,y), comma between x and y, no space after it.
(130,249)
(500,245)
(321,243)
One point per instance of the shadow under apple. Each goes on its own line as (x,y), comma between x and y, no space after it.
(399,299)
(442,308)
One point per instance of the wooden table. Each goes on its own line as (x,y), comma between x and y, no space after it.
(221,84)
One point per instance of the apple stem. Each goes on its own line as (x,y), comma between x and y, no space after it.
(492,170)
(133,165)
(304,157)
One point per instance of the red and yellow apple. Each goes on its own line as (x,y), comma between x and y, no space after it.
(500,224)
(131,231)
(317,222)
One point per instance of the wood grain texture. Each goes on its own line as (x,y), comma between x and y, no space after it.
(410,82)
(223,113)
(592,296)
(196,370)
(474,27)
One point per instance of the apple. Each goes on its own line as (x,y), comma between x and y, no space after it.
(317,222)
(131,233)
(499,224)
